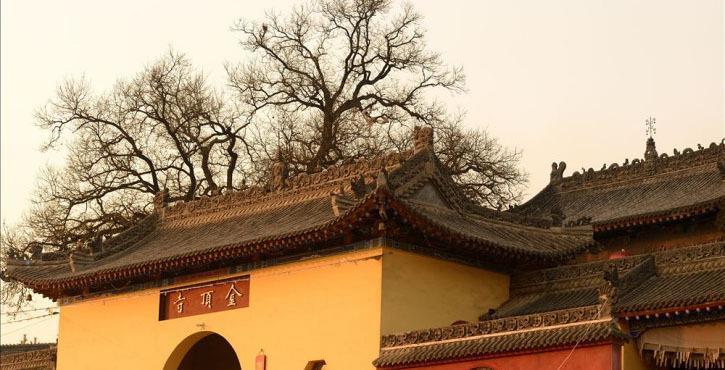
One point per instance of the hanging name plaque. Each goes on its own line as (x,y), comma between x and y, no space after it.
(197,299)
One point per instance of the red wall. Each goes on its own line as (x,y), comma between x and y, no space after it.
(599,357)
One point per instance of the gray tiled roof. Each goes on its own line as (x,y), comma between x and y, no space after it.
(560,306)
(677,278)
(478,346)
(251,224)
(666,188)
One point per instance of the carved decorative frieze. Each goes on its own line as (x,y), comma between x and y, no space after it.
(39,359)
(638,168)
(578,272)
(580,275)
(508,324)
(682,259)
(296,188)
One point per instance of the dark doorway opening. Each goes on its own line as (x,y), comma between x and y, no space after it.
(212,352)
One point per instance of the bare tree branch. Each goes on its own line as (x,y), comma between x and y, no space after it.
(331,81)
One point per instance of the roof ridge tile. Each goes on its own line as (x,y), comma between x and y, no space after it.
(494,326)
(671,261)
(640,168)
(295,188)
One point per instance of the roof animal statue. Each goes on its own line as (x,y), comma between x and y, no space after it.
(358,186)
(557,173)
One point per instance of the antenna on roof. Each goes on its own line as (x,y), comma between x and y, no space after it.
(650,127)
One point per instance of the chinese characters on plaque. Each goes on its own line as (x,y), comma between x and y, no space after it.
(213,296)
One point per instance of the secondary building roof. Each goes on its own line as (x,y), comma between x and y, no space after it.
(676,278)
(30,356)
(654,189)
(578,303)
(496,337)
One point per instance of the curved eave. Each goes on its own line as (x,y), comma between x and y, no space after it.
(162,267)
(663,309)
(432,228)
(659,216)
(474,348)
(274,245)
(498,354)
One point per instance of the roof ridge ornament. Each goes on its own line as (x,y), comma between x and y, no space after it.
(161,203)
(381,181)
(161,200)
(280,172)
(422,138)
(358,186)
(557,173)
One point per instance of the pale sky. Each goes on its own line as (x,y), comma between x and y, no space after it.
(561,80)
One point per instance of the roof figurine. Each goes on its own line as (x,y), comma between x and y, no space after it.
(650,153)
(161,202)
(280,172)
(557,173)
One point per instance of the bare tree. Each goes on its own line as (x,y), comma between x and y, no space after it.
(338,61)
(487,172)
(166,128)
(14,241)
(334,81)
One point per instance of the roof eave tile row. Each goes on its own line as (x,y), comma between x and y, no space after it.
(581,333)
(147,269)
(663,281)
(335,228)
(668,215)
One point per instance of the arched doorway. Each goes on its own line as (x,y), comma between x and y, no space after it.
(203,351)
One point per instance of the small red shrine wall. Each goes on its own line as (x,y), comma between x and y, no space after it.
(596,357)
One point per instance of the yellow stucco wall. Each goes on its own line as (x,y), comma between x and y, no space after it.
(325,308)
(333,308)
(630,357)
(422,292)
